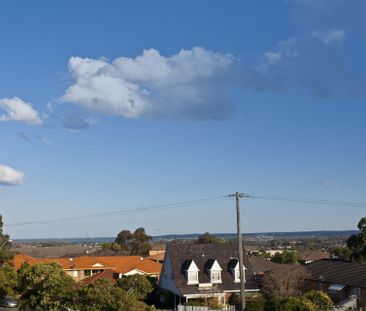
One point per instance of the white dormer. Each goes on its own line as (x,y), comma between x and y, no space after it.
(192,273)
(235,271)
(215,273)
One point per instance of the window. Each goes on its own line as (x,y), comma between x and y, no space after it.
(192,273)
(73,273)
(215,276)
(192,277)
(87,272)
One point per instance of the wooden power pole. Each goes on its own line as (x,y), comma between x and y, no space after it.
(239,196)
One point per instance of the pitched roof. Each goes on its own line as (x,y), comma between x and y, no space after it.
(121,264)
(312,255)
(124,264)
(338,272)
(107,275)
(181,255)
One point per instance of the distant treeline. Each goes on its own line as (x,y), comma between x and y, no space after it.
(169,237)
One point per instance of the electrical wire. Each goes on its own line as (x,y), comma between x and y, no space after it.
(307,200)
(119,212)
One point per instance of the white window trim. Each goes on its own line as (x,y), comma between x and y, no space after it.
(192,277)
(215,280)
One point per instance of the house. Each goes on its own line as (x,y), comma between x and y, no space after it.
(308,256)
(156,249)
(80,268)
(204,271)
(338,278)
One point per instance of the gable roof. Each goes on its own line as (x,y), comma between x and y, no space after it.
(120,264)
(107,275)
(338,272)
(204,255)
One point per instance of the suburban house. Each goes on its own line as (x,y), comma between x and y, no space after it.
(308,256)
(80,268)
(204,271)
(339,279)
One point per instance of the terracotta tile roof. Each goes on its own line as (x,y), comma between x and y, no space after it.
(124,264)
(157,257)
(338,272)
(19,259)
(120,264)
(107,275)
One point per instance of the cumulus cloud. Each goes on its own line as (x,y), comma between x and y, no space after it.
(15,109)
(187,85)
(10,176)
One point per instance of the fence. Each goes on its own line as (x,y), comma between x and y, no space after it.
(199,308)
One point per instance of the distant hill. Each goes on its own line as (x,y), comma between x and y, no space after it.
(249,236)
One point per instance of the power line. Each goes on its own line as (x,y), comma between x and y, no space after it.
(306,200)
(118,212)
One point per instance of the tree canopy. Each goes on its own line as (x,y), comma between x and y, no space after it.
(136,243)
(356,243)
(138,284)
(208,238)
(102,295)
(45,286)
(5,245)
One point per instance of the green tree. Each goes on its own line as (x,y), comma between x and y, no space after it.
(45,286)
(5,245)
(139,284)
(101,295)
(357,243)
(297,304)
(136,243)
(287,257)
(342,252)
(320,299)
(8,281)
(208,238)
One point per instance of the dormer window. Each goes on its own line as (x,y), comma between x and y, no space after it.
(235,271)
(214,271)
(192,273)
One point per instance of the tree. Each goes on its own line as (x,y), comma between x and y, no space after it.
(139,284)
(341,252)
(136,243)
(207,238)
(5,245)
(357,243)
(287,257)
(45,286)
(8,281)
(101,295)
(297,304)
(284,281)
(320,299)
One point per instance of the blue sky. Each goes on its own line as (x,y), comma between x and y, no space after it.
(116,105)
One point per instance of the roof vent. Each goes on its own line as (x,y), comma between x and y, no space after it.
(202,254)
(71,259)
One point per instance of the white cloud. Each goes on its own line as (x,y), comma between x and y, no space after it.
(330,183)
(330,37)
(187,85)
(10,176)
(15,109)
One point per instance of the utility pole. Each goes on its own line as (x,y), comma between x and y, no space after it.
(239,196)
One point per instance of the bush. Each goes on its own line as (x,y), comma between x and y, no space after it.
(320,299)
